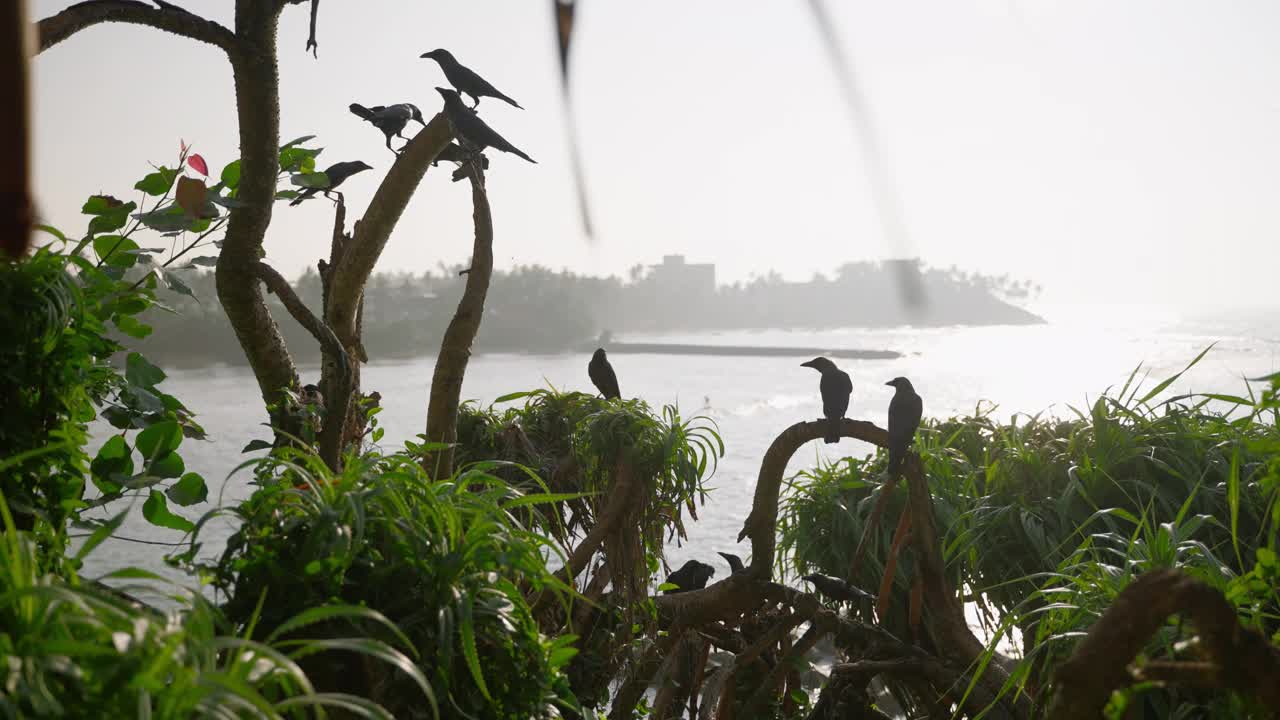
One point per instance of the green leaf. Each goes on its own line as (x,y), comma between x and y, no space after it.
(287,194)
(139,371)
(170,218)
(176,284)
(512,396)
(167,466)
(189,490)
(159,439)
(256,445)
(158,182)
(104,531)
(231,175)
(157,512)
(1160,388)
(114,250)
(311,180)
(52,231)
(112,465)
(297,159)
(205,261)
(130,326)
(467,625)
(100,205)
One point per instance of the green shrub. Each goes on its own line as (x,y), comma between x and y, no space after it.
(449,562)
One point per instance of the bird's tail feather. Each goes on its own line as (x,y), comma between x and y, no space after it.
(361,111)
(833,431)
(509,101)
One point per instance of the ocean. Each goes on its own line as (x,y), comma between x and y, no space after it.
(1049,368)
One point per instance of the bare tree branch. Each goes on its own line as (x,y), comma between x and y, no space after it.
(1245,661)
(455,347)
(17,205)
(56,28)
(281,288)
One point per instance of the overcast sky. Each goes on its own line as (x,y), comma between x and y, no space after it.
(1116,152)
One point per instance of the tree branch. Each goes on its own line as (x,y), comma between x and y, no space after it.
(455,347)
(56,28)
(281,288)
(1246,661)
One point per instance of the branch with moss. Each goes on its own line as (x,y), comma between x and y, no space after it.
(56,28)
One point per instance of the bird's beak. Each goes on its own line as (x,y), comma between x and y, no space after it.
(808,363)
(425,55)
(890,383)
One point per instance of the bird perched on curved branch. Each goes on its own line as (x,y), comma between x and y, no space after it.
(836,589)
(603,376)
(337,173)
(454,153)
(735,562)
(465,80)
(693,575)
(836,388)
(905,410)
(470,130)
(390,119)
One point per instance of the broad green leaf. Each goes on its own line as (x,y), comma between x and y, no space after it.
(158,182)
(170,218)
(256,445)
(113,250)
(231,175)
(205,261)
(112,465)
(159,439)
(176,284)
(166,466)
(310,180)
(139,371)
(130,326)
(100,205)
(189,490)
(297,141)
(157,512)
(512,396)
(297,159)
(52,231)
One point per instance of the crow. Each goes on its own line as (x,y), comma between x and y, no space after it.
(835,387)
(693,575)
(836,589)
(464,80)
(904,417)
(390,119)
(602,375)
(310,395)
(471,130)
(735,562)
(337,173)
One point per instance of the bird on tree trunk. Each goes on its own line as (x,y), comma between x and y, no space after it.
(602,375)
(470,130)
(693,575)
(905,410)
(836,388)
(735,562)
(465,80)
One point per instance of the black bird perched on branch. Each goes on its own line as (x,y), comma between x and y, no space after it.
(471,130)
(904,417)
(836,589)
(390,119)
(835,387)
(464,79)
(602,375)
(337,174)
(693,575)
(454,153)
(735,562)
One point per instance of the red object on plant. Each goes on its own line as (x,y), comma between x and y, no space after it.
(197,163)
(182,146)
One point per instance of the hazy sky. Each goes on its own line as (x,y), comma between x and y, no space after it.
(1116,152)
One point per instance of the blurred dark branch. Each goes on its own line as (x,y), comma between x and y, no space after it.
(17,206)
(56,28)
(455,347)
(1242,659)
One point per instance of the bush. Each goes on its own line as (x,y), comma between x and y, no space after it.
(449,562)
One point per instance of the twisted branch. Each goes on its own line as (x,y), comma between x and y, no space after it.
(277,285)
(56,28)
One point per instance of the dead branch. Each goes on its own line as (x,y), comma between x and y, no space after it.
(762,694)
(1246,662)
(642,673)
(455,347)
(56,28)
(277,285)
(872,521)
